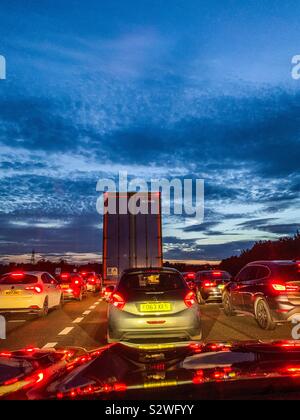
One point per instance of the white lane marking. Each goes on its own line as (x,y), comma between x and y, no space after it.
(49,345)
(92,307)
(77,320)
(17,320)
(96,303)
(86,312)
(66,331)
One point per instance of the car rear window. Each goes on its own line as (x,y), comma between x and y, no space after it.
(65,279)
(8,279)
(289,272)
(152,281)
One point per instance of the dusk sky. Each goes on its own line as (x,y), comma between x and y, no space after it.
(195,89)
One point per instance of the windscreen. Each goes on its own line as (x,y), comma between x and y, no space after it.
(8,279)
(152,282)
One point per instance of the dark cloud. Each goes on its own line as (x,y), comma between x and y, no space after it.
(281,229)
(256,223)
(202,227)
(213,252)
(265,226)
(21,234)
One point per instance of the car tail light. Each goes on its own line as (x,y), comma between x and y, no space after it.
(117,300)
(36,289)
(278,287)
(76,282)
(190,299)
(5,354)
(216,273)
(64,276)
(209,284)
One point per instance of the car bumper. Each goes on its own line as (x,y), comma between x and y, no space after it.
(123,326)
(212,294)
(91,287)
(24,304)
(70,295)
(283,311)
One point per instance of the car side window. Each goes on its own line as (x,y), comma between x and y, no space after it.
(45,278)
(245,274)
(262,272)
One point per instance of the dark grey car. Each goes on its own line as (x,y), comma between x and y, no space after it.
(152,305)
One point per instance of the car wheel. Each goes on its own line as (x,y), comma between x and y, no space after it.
(44,312)
(263,315)
(200,299)
(228,308)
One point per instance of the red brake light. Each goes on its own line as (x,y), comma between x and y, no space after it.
(76,281)
(190,275)
(216,273)
(5,354)
(190,299)
(36,289)
(64,276)
(209,284)
(17,274)
(117,300)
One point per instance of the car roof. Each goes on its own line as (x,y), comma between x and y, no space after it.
(273,262)
(30,273)
(149,269)
(211,271)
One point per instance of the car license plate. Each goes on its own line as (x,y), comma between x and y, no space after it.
(221,286)
(12,292)
(65,286)
(156,307)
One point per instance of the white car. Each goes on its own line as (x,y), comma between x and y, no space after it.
(32,292)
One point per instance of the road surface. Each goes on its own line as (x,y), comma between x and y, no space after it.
(83,324)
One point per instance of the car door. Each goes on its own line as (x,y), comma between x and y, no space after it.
(236,288)
(55,289)
(50,289)
(248,289)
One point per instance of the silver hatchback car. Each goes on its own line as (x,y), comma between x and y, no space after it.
(153,305)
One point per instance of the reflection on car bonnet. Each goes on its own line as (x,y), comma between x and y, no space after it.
(220,359)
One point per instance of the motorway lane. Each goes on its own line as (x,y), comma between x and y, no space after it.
(77,324)
(83,324)
(217,326)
